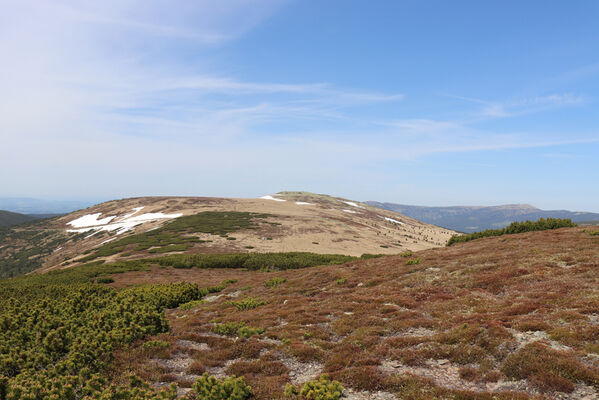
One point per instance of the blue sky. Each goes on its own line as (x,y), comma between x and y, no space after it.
(416,102)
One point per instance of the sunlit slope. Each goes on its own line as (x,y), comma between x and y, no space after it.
(150,226)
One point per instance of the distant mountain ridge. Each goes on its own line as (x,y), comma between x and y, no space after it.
(475,218)
(8,218)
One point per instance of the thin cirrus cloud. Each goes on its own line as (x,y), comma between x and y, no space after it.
(520,106)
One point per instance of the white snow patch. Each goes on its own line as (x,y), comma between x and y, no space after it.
(349,211)
(303,203)
(58,249)
(269,197)
(351,203)
(91,222)
(392,220)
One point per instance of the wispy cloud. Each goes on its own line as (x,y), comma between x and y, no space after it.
(520,106)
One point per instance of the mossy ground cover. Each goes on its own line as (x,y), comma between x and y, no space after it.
(517,308)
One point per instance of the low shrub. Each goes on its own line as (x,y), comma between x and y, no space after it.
(191,304)
(413,261)
(548,368)
(58,331)
(253,261)
(274,282)
(208,387)
(228,328)
(156,344)
(515,227)
(321,388)
(547,381)
(237,328)
(196,368)
(248,331)
(368,256)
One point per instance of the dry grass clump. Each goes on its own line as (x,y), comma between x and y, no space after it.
(247,303)
(549,369)
(266,377)
(532,325)
(196,368)
(349,355)
(360,378)
(304,352)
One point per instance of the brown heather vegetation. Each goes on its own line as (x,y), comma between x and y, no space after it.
(511,317)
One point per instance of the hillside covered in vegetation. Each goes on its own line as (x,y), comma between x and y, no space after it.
(152,226)
(8,218)
(510,317)
(59,330)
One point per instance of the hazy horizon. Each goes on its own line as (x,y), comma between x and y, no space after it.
(62,204)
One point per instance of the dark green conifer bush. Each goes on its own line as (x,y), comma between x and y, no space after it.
(515,227)
(58,330)
(321,388)
(210,388)
(274,282)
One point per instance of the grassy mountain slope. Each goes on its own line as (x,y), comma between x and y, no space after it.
(8,218)
(470,218)
(296,221)
(512,317)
